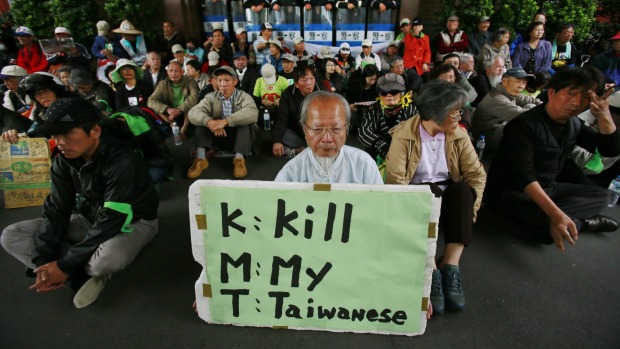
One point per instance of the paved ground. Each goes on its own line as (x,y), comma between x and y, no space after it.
(518,295)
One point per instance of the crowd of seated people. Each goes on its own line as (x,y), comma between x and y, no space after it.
(216,91)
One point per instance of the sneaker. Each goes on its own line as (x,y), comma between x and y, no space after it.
(240,169)
(198,166)
(89,292)
(437,300)
(452,289)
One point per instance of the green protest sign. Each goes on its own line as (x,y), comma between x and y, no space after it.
(352,260)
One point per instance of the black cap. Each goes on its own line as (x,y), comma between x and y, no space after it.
(66,114)
(416,21)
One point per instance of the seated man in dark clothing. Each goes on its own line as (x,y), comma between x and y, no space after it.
(525,179)
(287,133)
(483,83)
(114,200)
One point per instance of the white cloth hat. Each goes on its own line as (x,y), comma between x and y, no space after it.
(269,73)
(213,58)
(367,42)
(103,28)
(62,30)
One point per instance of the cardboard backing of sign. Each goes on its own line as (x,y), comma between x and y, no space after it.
(25,172)
(340,257)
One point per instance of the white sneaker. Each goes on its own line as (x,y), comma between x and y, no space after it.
(89,292)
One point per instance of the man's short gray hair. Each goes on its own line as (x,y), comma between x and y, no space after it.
(466,56)
(327,97)
(437,98)
(394,60)
(488,61)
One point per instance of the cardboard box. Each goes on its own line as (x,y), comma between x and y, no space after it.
(25,172)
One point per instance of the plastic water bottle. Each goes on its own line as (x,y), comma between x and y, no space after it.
(614,192)
(267,120)
(480,147)
(177,135)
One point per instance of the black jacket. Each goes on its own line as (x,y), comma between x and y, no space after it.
(115,174)
(249,80)
(161,75)
(529,151)
(10,120)
(288,114)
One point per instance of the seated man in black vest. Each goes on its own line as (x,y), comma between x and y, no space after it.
(531,179)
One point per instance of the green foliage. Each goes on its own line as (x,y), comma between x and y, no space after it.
(469,11)
(578,12)
(139,12)
(35,15)
(79,16)
(43,16)
(514,14)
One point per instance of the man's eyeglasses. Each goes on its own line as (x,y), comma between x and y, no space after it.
(334,131)
(393,93)
(457,115)
(404,25)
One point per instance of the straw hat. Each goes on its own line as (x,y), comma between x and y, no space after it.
(127,28)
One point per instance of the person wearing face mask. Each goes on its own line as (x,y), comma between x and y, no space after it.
(194,51)
(394,107)
(287,133)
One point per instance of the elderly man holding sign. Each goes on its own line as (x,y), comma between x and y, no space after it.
(325,119)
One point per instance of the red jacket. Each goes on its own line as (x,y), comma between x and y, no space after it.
(32,59)
(417,52)
(447,43)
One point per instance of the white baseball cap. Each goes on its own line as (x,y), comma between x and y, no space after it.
(366,42)
(62,30)
(269,73)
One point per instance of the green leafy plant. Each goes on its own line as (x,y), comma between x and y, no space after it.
(35,15)
(139,12)
(79,16)
(43,16)
(469,11)
(514,14)
(578,12)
